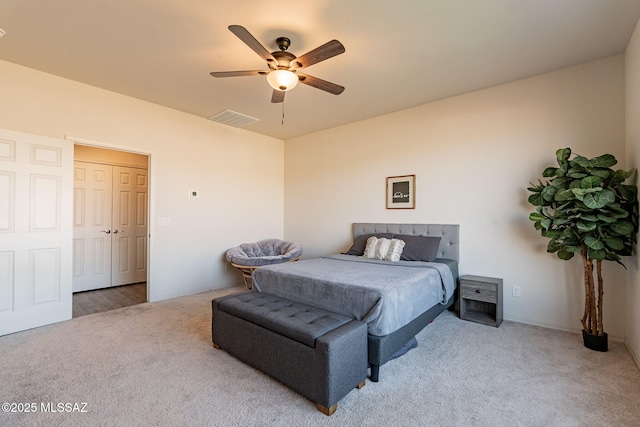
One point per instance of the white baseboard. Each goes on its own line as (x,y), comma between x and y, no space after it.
(577,330)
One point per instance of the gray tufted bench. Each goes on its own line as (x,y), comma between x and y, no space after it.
(319,354)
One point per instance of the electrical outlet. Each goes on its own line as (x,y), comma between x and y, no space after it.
(516,291)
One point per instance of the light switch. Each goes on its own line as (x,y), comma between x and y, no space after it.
(164,221)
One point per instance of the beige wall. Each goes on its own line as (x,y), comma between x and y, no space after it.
(473,156)
(632,73)
(239,174)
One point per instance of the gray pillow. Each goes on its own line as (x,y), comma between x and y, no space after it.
(361,242)
(419,248)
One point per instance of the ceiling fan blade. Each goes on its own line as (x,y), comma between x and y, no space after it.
(320,84)
(254,44)
(326,51)
(238,73)
(278,96)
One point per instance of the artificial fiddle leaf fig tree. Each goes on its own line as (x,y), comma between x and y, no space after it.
(585,209)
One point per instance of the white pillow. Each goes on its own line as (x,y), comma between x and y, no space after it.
(386,249)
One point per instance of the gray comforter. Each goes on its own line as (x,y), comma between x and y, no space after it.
(386,295)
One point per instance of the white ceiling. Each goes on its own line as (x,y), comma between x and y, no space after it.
(399,54)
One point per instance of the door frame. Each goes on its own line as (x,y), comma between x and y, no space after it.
(150,193)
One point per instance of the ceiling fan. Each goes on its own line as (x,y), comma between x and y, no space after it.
(283,66)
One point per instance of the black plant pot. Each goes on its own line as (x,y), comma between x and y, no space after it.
(595,342)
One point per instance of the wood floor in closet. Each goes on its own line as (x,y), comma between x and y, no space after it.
(100,300)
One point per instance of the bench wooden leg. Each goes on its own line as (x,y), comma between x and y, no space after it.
(330,411)
(216,346)
(327,411)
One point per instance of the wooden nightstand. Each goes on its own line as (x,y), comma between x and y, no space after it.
(481,300)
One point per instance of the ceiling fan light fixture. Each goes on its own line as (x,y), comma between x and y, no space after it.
(283,80)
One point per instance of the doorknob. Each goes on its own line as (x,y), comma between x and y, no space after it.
(118,231)
(105,231)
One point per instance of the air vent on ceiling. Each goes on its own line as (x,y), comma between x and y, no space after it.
(233,118)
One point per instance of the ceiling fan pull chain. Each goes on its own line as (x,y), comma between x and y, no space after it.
(283,114)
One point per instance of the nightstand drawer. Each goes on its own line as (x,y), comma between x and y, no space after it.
(479,291)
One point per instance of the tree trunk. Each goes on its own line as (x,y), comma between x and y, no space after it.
(600,317)
(592,302)
(588,291)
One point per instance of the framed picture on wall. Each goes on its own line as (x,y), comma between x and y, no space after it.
(401,192)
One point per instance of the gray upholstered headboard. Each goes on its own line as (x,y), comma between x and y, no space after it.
(450,234)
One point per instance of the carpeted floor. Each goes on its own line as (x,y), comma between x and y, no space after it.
(153,364)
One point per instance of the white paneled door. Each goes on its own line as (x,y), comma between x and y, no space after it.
(129,254)
(110,226)
(92,204)
(36,202)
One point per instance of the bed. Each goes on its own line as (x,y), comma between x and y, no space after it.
(396,299)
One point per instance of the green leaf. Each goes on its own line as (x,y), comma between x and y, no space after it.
(559,181)
(581,161)
(593,243)
(564,196)
(597,254)
(549,172)
(554,234)
(585,228)
(565,255)
(614,243)
(574,184)
(548,193)
(622,228)
(622,175)
(563,154)
(581,193)
(604,161)
(619,213)
(591,182)
(576,173)
(545,223)
(536,199)
(535,216)
(606,219)
(628,192)
(599,199)
(602,173)
(553,246)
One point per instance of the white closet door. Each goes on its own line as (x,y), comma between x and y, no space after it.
(129,259)
(92,187)
(110,219)
(36,202)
